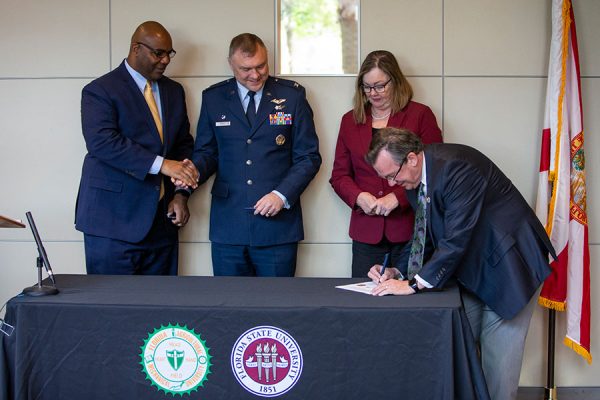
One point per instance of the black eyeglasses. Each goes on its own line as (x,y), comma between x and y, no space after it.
(393,178)
(160,54)
(378,88)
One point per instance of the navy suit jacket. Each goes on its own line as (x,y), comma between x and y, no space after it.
(117,197)
(351,174)
(480,229)
(252,161)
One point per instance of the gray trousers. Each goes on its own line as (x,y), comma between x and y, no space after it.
(502,343)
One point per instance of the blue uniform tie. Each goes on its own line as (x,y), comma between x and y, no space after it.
(251,110)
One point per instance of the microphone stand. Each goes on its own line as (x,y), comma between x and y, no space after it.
(39,289)
(42,260)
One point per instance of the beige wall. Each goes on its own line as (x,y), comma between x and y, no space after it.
(480,64)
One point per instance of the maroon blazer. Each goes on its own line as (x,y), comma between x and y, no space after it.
(352,175)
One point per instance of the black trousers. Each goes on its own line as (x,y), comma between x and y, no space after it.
(156,254)
(365,255)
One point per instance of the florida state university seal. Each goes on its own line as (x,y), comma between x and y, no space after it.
(266,361)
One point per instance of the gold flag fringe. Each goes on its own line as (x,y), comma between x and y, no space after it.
(554,305)
(577,348)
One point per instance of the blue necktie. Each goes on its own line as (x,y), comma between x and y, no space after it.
(251,110)
(415,260)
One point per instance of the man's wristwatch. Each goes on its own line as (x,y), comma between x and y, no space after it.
(414,285)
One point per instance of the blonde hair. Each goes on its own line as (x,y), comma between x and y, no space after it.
(401,90)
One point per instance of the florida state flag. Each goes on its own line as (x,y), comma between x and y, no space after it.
(561,199)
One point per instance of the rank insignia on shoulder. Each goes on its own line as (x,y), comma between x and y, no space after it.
(280,118)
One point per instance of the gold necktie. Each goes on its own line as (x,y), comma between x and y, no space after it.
(149,96)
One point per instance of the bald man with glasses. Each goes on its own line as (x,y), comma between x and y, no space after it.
(137,134)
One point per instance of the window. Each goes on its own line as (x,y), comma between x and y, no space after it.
(318,37)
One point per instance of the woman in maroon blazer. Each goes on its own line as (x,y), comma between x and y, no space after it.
(382,219)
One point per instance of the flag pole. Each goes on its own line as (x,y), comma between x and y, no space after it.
(550,392)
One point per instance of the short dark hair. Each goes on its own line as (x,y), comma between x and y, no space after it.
(247,43)
(398,142)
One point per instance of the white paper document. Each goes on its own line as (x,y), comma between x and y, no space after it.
(361,287)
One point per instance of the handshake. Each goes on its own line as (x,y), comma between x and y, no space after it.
(183,174)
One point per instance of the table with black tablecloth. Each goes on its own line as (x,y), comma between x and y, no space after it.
(85,342)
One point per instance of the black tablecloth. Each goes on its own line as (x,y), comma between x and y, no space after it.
(86,342)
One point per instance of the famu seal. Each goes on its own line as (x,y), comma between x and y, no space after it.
(266,361)
(175,359)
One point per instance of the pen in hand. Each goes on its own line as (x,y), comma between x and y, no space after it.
(386,260)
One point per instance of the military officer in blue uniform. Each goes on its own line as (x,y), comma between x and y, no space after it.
(257,133)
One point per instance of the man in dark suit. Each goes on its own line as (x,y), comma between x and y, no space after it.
(136,131)
(479,229)
(257,133)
